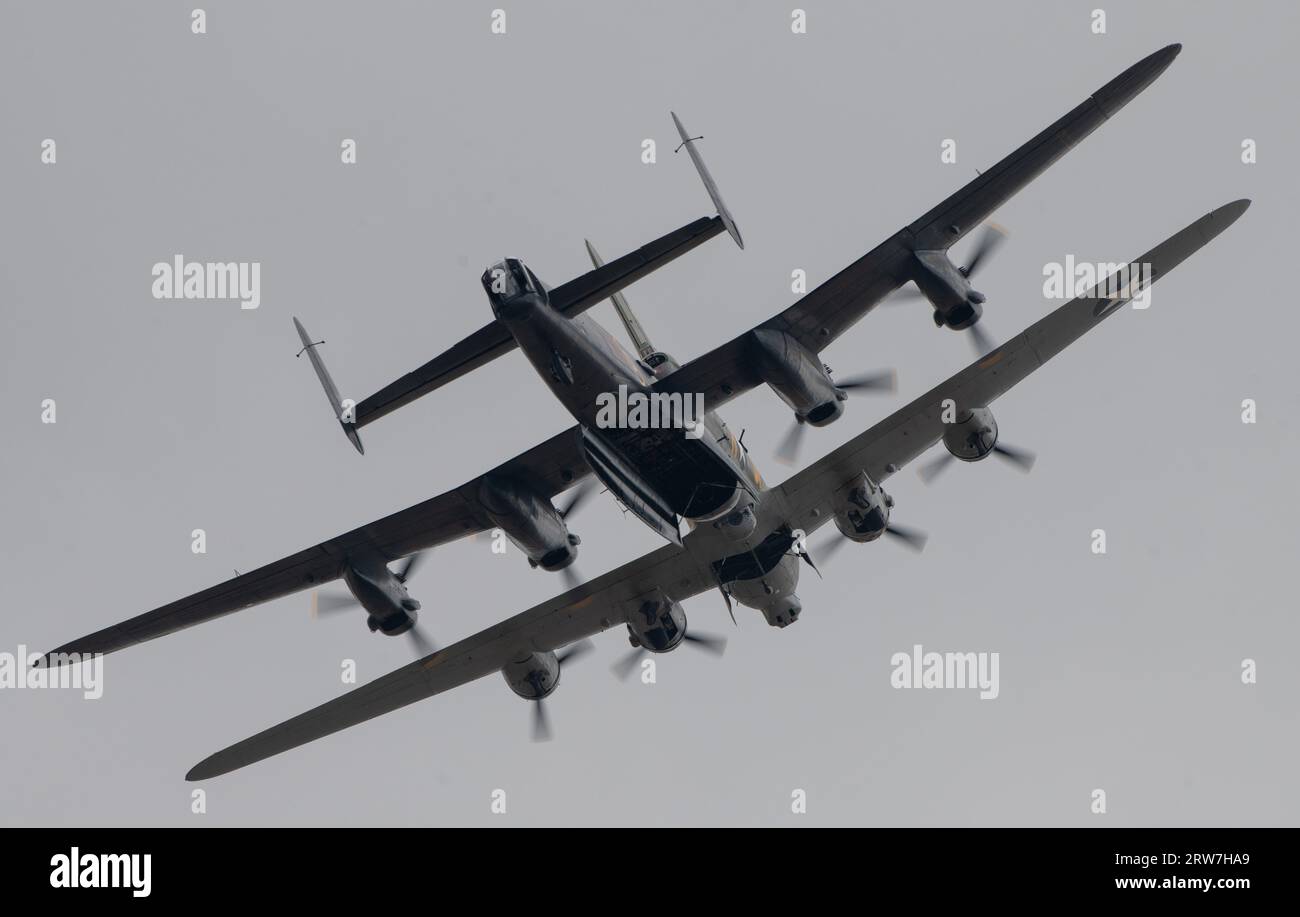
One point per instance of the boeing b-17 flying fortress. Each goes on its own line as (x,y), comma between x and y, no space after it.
(680,470)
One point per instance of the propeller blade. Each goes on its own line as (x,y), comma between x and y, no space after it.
(626,665)
(572,579)
(1021,458)
(912,538)
(787,453)
(993,236)
(980,339)
(931,469)
(710,643)
(422,644)
(883,381)
(409,568)
(541,724)
(576,498)
(831,546)
(329,602)
(576,651)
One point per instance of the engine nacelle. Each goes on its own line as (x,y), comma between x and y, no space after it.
(955,303)
(972,436)
(658,624)
(862,510)
(797,376)
(393,626)
(533,676)
(531,522)
(378,590)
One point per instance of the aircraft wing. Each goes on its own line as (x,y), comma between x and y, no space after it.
(550,467)
(593,607)
(807,503)
(824,314)
(911,430)
(571,298)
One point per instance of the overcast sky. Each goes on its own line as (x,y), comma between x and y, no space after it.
(1119,672)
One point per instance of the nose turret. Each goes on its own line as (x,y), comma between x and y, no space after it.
(513,290)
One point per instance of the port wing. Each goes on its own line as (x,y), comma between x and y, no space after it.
(550,468)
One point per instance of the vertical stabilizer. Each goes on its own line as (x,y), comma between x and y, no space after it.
(346,415)
(634,330)
(709,184)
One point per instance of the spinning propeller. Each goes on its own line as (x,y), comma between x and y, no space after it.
(989,241)
(330,602)
(710,643)
(541,722)
(787,451)
(913,539)
(578,497)
(1021,459)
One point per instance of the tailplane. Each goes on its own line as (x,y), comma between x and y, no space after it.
(345,411)
(709,185)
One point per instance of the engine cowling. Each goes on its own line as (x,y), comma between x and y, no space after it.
(658,624)
(972,436)
(531,522)
(956,304)
(533,676)
(797,376)
(862,510)
(377,589)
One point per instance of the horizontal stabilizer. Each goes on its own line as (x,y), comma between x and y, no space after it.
(346,414)
(570,299)
(709,185)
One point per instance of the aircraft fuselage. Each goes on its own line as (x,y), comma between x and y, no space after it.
(700,477)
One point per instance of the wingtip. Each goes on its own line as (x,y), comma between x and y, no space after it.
(197,773)
(1232,211)
(59,654)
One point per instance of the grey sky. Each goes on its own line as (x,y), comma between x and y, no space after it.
(1118,672)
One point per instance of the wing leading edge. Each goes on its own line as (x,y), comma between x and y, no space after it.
(832,308)
(593,607)
(549,468)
